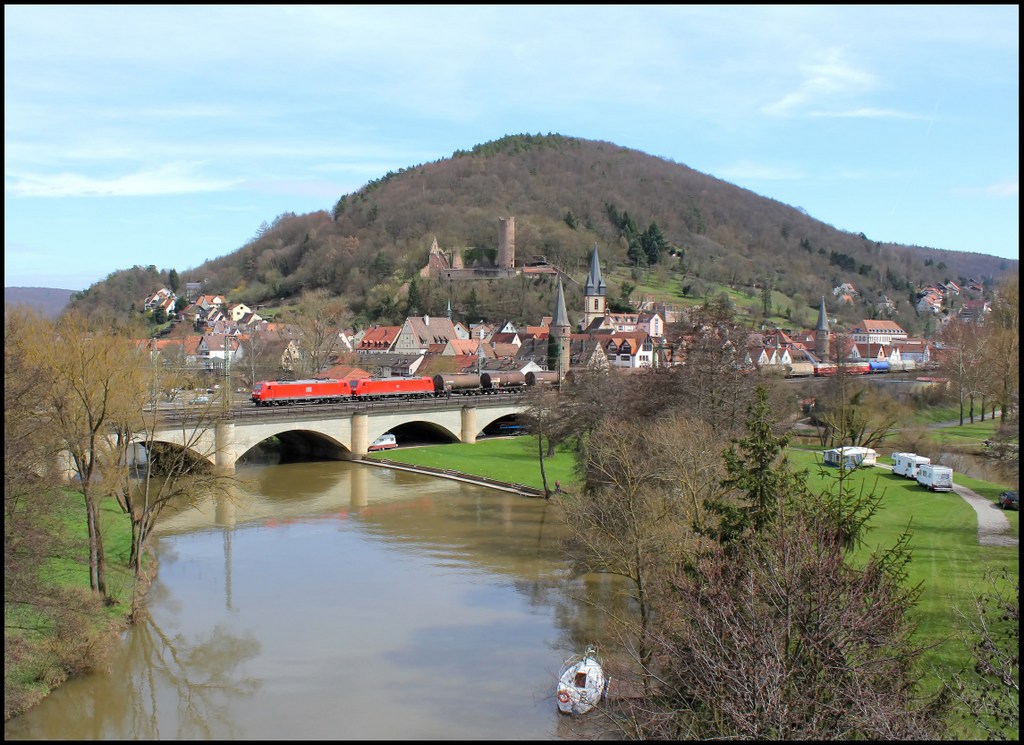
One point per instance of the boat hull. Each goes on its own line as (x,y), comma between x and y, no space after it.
(582,684)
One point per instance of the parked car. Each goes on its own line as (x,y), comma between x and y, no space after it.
(384,442)
(1008,500)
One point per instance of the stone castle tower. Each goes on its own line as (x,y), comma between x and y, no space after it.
(506,243)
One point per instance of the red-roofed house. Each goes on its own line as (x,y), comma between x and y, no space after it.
(378,339)
(877,332)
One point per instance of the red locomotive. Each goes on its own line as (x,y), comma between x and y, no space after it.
(372,389)
(328,390)
(316,390)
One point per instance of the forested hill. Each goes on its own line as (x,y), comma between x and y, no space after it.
(648,214)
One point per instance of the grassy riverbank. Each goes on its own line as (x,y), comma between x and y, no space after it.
(946,560)
(511,459)
(77,630)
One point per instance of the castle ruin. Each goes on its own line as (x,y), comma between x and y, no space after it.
(449,265)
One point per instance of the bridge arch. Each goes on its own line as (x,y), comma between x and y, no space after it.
(335,432)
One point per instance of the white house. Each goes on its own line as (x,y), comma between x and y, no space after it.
(877,332)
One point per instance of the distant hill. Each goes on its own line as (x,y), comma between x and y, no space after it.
(48,301)
(566,195)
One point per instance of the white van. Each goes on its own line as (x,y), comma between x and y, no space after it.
(908,464)
(384,442)
(936,478)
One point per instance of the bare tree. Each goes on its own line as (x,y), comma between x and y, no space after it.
(1003,349)
(854,413)
(177,472)
(319,318)
(989,695)
(96,376)
(644,487)
(961,360)
(712,384)
(784,639)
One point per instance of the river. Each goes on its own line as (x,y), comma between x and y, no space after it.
(332,600)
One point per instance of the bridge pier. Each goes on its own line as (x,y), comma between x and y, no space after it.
(469,424)
(224,444)
(360,423)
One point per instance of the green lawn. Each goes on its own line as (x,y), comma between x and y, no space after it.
(511,459)
(967,435)
(946,557)
(40,663)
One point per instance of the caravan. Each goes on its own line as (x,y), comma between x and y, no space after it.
(936,478)
(908,464)
(850,457)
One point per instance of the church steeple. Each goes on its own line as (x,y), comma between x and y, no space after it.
(594,292)
(595,283)
(559,335)
(821,333)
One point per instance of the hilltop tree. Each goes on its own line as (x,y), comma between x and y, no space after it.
(653,243)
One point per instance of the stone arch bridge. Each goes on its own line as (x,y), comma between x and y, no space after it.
(340,432)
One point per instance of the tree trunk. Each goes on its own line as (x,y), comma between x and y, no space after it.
(101,559)
(90,519)
(540,456)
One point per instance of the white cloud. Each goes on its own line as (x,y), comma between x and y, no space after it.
(825,80)
(868,113)
(1004,189)
(170,179)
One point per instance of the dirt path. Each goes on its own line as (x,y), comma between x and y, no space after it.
(993,527)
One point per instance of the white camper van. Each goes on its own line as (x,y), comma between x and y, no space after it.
(908,464)
(936,478)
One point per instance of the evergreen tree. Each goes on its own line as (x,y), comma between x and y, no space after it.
(414,299)
(758,478)
(653,243)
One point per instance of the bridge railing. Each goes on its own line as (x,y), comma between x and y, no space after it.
(342,408)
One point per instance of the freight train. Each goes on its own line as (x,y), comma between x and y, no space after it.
(329,390)
(828,369)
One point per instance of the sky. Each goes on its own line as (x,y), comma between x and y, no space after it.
(165,135)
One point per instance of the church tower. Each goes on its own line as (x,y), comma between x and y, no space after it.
(821,334)
(594,292)
(558,338)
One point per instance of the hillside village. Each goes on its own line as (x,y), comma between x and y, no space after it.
(212,334)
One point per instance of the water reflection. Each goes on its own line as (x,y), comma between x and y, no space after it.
(336,600)
(176,687)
